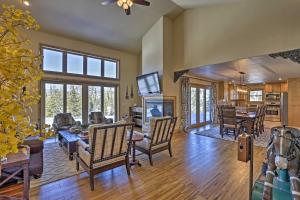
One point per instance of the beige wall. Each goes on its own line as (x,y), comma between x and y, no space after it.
(153,50)
(157,51)
(293,102)
(220,33)
(128,64)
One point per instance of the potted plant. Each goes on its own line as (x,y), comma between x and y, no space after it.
(19,75)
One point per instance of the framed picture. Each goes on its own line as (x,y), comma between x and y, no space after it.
(158,106)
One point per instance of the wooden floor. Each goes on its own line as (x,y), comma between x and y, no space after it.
(202,168)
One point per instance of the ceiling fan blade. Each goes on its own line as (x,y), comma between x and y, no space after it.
(142,2)
(108,2)
(128,11)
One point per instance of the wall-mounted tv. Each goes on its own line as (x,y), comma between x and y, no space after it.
(148,84)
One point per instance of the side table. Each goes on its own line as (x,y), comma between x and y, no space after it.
(136,137)
(20,161)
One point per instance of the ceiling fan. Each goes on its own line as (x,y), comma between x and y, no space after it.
(126,4)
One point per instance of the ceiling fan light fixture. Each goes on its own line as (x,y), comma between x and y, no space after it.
(130,3)
(120,3)
(26,3)
(125,6)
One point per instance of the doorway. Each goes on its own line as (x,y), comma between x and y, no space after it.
(200,109)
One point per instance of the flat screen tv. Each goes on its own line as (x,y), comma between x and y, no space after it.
(148,84)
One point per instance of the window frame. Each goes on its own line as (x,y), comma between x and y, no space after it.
(85,64)
(85,85)
(262,95)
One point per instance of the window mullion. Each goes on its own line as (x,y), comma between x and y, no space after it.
(85,104)
(102,68)
(65,62)
(65,97)
(84,65)
(102,100)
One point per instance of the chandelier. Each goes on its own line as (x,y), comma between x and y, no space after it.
(125,4)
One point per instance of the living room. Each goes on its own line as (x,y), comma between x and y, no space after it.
(148,66)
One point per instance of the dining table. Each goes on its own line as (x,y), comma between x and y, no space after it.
(246,116)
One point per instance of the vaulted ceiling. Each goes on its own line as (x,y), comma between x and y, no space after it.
(186,4)
(258,70)
(89,21)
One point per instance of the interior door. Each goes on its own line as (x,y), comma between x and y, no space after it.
(200,110)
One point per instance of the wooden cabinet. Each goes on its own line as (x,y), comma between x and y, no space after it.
(284,87)
(276,87)
(268,88)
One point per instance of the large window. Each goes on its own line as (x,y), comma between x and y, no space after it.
(74,64)
(95,99)
(54,101)
(77,63)
(74,101)
(53,60)
(75,88)
(79,100)
(256,95)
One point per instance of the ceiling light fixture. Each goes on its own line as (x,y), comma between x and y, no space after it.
(280,79)
(26,2)
(125,4)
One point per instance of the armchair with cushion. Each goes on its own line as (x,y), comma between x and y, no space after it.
(99,118)
(159,136)
(108,148)
(64,121)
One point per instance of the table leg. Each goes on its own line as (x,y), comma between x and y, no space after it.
(26,181)
(134,161)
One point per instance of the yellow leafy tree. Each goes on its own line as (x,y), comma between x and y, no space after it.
(19,73)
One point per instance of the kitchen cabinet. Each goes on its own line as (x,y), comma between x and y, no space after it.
(275,87)
(284,87)
(268,88)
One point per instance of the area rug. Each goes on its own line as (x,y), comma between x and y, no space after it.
(57,166)
(214,132)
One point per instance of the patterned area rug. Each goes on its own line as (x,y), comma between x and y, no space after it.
(261,141)
(57,165)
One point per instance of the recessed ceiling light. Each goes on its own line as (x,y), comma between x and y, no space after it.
(280,79)
(26,3)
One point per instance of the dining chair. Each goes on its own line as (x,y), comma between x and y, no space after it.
(251,126)
(108,148)
(229,122)
(159,137)
(262,119)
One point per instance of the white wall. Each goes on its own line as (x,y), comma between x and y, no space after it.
(220,33)
(128,64)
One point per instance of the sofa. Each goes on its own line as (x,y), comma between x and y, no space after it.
(36,162)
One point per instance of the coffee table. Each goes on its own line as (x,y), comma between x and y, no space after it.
(67,140)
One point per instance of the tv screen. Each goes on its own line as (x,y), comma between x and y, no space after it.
(148,84)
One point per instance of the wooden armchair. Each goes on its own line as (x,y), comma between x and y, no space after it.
(229,122)
(159,137)
(108,148)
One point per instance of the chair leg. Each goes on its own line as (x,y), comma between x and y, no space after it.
(92,181)
(170,150)
(150,158)
(77,165)
(127,166)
